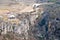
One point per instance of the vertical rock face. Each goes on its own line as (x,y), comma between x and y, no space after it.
(48,27)
(21,27)
(33,25)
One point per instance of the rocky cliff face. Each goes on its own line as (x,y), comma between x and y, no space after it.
(18,24)
(48,27)
(33,25)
